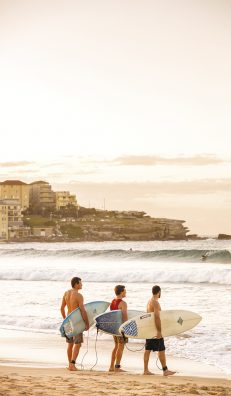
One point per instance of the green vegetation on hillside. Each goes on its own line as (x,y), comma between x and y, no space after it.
(38,221)
(71,230)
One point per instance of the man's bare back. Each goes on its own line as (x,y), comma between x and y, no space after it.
(153,305)
(72,299)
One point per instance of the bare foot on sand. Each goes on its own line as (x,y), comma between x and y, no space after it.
(119,370)
(72,367)
(148,373)
(111,369)
(166,373)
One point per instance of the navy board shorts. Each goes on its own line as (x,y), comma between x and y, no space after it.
(155,344)
(75,340)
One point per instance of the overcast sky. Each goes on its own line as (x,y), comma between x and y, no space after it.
(123,102)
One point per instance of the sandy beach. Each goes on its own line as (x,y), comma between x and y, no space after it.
(36,365)
(36,381)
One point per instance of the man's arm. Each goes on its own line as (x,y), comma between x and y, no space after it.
(124,309)
(62,308)
(83,311)
(157,320)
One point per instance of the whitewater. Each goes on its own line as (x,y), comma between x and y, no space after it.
(34,276)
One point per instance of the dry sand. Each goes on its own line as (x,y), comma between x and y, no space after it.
(16,381)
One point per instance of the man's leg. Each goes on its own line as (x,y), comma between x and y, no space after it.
(162,358)
(113,357)
(119,354)
(69,351)
(75,351)
(146,361)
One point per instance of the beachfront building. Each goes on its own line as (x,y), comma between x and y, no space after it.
(15,189)
(3,221)
(64,198)
(11,223)
(43,232)
(41,195)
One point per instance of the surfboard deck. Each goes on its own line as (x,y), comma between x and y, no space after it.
(173,322)
(74,324)
(109,322)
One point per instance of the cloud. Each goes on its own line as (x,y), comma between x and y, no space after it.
(153,160)
(150,189)
(50,165)
(14,164)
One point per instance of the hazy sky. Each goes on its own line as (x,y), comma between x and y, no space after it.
(123,101)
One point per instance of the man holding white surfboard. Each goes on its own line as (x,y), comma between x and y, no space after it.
(118,303)
(72,299)
(156,344)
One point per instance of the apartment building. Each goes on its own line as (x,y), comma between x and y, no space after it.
(41,195)
(11,223)
(64,198)
(3,220)
(15,189)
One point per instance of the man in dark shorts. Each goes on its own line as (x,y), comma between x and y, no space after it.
(73,299)
(156,344)
(118,303)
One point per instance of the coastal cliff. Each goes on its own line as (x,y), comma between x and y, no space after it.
(99,225)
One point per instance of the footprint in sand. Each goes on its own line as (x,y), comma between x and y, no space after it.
(193,391)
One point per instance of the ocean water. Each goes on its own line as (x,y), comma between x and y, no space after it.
(34,277)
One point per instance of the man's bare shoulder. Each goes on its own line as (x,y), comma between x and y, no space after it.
(67,293)
(79,296)
(73,294)
(122,305)
(156,305)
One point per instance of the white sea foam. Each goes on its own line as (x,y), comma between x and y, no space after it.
(222,277)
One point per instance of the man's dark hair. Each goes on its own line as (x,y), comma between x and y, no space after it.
(75,280)
(156,289)
(119,289)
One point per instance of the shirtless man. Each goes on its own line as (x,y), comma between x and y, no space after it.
(73,299)
(156,344)
(117,352)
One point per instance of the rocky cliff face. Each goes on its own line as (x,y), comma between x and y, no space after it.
(133,228)
(224,236)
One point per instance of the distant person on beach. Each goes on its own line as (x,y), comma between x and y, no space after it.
(73,299)
(118,303)
(156,344)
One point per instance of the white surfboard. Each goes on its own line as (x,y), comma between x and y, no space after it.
(109,322)
(173,322)
(74,324)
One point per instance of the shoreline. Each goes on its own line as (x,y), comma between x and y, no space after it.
(74,240)
(36,364)
(47,351)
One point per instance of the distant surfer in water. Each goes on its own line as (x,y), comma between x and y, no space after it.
(73,300)
(117,353)
(156,344)
(204,256)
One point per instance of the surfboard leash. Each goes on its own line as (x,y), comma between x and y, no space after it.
(134,350)
(96,354)
(131,350)
(81,364)
(159,360)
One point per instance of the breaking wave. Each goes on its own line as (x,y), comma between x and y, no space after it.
(208,275)
(176,255)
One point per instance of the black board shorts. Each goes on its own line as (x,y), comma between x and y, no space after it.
(155,344)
